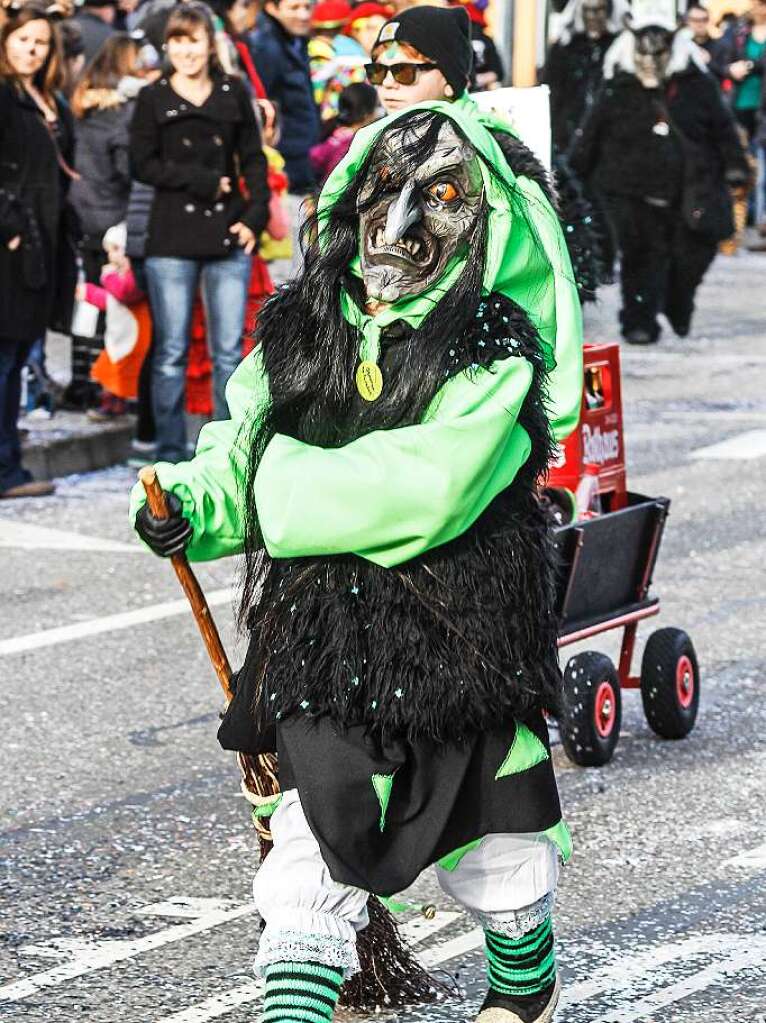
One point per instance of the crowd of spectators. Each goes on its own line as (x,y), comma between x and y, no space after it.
(154,156)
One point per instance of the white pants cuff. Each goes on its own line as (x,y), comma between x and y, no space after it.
(300,936)
(515,923)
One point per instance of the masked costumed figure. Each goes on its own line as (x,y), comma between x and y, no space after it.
(661,149)
(574,68)
(581,35)
(379,473)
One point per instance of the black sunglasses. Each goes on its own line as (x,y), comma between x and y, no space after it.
(404,74)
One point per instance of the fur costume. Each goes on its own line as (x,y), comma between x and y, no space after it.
(662,159)
(399,580)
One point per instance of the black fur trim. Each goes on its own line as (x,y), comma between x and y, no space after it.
(524,163)
(566,196)
(455,641)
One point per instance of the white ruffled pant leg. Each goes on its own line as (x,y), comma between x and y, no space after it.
(507,883)
(309,917)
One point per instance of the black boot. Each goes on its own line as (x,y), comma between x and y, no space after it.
(539,1008)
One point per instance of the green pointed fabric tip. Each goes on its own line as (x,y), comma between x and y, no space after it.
(526,752)
(267,809)
(383,783)
(452,860)
(560,836)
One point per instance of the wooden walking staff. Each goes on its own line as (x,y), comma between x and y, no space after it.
(259,773)
(389,976)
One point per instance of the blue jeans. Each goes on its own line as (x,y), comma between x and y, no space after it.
(172,286)
(13,355)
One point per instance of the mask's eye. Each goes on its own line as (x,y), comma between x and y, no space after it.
(443,191)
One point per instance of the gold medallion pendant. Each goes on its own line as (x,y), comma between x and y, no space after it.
(369,380)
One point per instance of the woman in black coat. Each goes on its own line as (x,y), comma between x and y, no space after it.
(661,149)
(194,138)
(37,256)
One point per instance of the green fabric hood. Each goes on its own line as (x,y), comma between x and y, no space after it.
(526,256)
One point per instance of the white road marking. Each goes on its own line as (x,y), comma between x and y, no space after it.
(96,955)
(459,946)
(414,931)
(731,953)
(749,858)
(730,415)
(217,1005)
(24,536)
(109,623)
(179,906)
(629,357)
(746,958)
(737,952)
(417,930)
(743,447)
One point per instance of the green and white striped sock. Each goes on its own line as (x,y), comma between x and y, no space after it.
(301,992)
(521,966)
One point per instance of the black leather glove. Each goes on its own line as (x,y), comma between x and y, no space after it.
(165,536)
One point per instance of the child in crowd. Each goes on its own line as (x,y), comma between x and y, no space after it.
(357,106)
(128,328)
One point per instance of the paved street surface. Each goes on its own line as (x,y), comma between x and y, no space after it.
(126,849)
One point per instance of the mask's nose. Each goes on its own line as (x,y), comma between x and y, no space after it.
(403,212)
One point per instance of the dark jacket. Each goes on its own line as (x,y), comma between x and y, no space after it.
(677,145)
(101,195)
(183,151)
(573,72)
(94,32)
(137,218)
(731,48)
(151,17)
(37,280)
(712,48)
(282,63)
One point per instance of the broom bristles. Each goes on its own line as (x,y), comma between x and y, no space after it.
(390,976)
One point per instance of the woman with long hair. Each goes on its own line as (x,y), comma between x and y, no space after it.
(102,102)
(37,262)
(194,137)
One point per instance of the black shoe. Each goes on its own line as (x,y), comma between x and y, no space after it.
(522,1009)
(640,337)
(681,324)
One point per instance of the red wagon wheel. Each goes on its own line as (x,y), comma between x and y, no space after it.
(670,683)
(592,709)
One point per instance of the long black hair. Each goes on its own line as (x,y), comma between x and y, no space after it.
(310,351)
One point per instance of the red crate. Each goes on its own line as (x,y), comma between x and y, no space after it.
(599,439)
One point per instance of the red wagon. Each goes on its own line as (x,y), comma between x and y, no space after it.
(605,573)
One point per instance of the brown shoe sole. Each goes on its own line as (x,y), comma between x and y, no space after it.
(35,488)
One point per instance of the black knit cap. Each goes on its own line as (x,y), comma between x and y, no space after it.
(441,34)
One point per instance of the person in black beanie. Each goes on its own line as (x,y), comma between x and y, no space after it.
(422,54)
(425,54)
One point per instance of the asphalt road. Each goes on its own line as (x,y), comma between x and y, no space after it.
(126,850)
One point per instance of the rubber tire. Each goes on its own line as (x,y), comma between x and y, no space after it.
(665,715)
(583,743)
